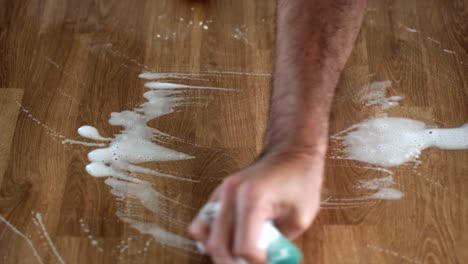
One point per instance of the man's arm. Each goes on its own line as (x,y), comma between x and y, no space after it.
(314,41)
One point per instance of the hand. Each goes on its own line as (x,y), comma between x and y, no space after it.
(284,188)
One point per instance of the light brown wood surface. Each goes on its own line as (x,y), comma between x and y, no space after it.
(64,64)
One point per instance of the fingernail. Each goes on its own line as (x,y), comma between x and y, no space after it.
(241,261)
(200,247)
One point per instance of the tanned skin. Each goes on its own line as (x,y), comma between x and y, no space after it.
(314,40)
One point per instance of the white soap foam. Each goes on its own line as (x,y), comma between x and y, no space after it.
(241,34)
(134,144)
(383,188)
(161,235)
(450,51)
(187,75)
(164,85)
(147,196)
(376,95)
(412,30)
(121,161)
(391,142)
(166,75)
(84,143)
(91,133)
(394,254)
(337,202)
(434,40)
(378,183)
(387,194)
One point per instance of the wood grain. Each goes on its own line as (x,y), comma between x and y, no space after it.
(76,61)
(9,110)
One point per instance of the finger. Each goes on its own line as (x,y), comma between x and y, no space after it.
(292,225)
(200,247)
(251,215)
(200,230)
(288,229)
(200,227)
(221,233)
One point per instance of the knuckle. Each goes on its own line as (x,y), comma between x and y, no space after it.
(214,247)
(194,231)
(231,182)
(251,191)
(301,221)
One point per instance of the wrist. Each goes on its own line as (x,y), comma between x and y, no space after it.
(300,153)
(307,145)
(296,162)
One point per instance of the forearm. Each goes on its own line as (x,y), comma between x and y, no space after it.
(314,41)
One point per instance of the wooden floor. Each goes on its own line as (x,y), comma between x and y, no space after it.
(64,64)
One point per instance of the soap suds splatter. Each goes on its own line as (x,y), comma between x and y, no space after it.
(91,133)
(163,85)
(255,74)
(375,95)
(434,40)
(241,34)
(161,235)
(333,202)
(343,204)
(147,245)
(409,29)
(211,72)
(191,76)
(83,143)
(449,51)
(120,54)
(394,253)
(383,187)
(122,247)
(122,250)
(86,230)
(54,134)
(48,239)
(120,161)
(413,30)
(19,233)
(387,194)
(59,67)
(157,76)
(391,142)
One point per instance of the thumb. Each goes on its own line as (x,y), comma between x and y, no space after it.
(251,216)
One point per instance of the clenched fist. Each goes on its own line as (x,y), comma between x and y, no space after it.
(284,188)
